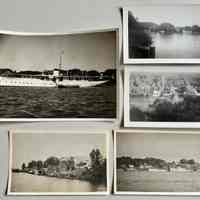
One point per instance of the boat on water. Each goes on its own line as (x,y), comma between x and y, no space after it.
(55,82)
(57,79)
(157,170)
(179,169)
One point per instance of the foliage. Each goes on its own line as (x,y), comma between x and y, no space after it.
(137,162)
(137,115)
(32,164)
(137,35)
(195,29)
(54,166)
(167,27)
(144,163)
(80,164)
(98,167)
(186,111)
(23,166)
(71,163)
(185,161)
(52,161)
(39,164)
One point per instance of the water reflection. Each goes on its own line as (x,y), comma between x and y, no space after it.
(33,183)
(176,45)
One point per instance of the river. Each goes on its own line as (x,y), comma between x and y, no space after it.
(176,45)
(145,181)
(33,102)
(22,182)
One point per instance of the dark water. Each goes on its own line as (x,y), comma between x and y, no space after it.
(30,102)
(177,45)
(144,181)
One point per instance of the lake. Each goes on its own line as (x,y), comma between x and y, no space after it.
(141,102)
(144,181)
(177,45)
(33,102)
(22,182)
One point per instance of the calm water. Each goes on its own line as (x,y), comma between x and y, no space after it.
(32,183)
(158,181)
(94,102)
(141,102)
(177,45)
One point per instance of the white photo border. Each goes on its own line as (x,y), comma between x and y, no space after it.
(161,131)
(89,31)
(128,60)
(28,131)
(154,69)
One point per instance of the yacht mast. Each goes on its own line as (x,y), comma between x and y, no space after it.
(60,59)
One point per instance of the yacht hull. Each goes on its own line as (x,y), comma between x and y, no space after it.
(34,82)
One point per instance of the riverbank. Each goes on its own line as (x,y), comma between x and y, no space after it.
(77,174)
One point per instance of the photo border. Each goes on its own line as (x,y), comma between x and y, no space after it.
(28,131)
(154,69)
(146,131)
(125,39)
(89,31)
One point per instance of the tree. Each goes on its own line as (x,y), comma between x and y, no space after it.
(32,164)
(195,29)
(137,35)
(23,166)
(80,164)
(98,166)
(163,111)
(93,73)
(183,161)
(75,72)
(167,27)
(191,161)
(95,157)
(39,164)
(187,110)
(110,74)
(52,161)
(71,163)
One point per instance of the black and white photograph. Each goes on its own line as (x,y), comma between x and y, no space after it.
(161,33)
(65,76)
(58,163)
(160,162)
(167,97)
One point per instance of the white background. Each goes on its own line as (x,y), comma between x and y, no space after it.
(63,16)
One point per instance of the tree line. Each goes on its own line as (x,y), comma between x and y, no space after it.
(125,161)
(95,172)
(108,73)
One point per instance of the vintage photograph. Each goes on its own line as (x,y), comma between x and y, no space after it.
(58,163)
(162,96)
(58,76)
(157,162)
(162,33)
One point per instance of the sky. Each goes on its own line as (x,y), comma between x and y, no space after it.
(88,51)
(178,15)
(167,146)
(39,146)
